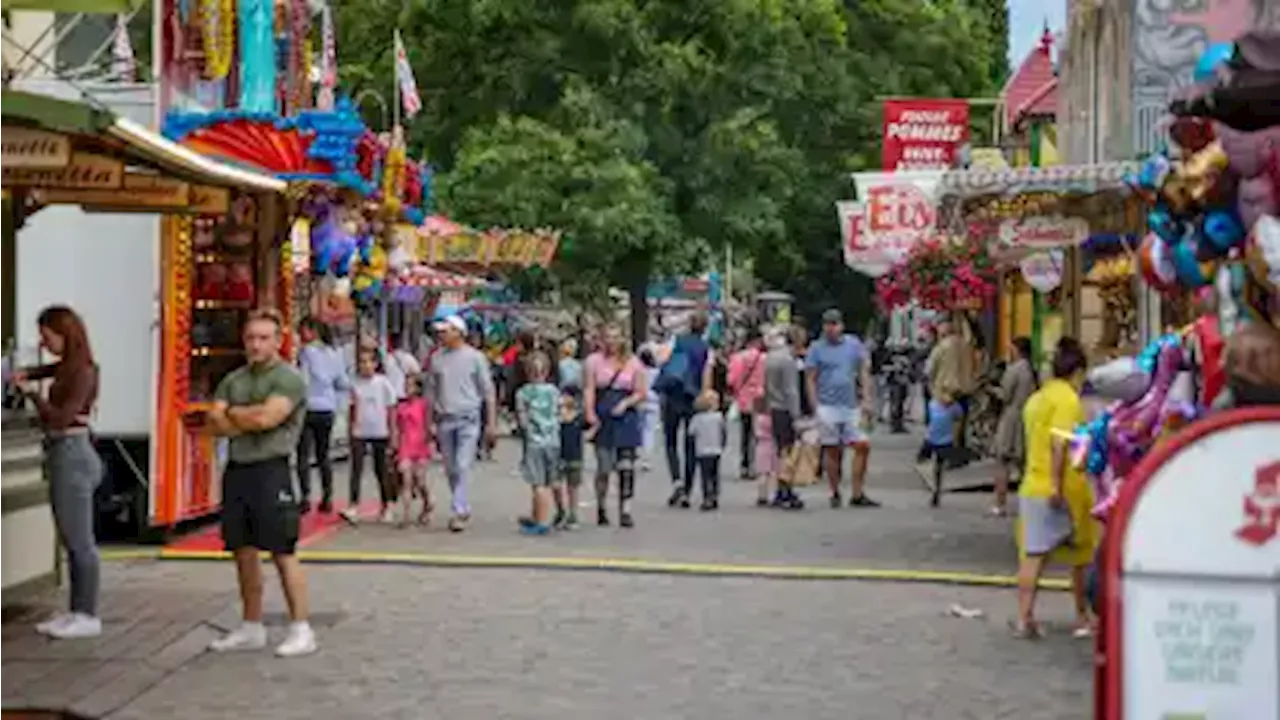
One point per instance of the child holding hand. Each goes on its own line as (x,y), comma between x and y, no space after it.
(412,439)
(708,431)
(572,430)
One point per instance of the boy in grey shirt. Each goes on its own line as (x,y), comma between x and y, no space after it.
(707,429)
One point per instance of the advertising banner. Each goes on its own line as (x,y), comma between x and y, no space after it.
(894,212)
(923,134)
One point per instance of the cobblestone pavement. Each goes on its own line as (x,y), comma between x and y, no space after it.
(416,642)
(905,533)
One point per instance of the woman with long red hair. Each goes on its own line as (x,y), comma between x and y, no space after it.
(75,470)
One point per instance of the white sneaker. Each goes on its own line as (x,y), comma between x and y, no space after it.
(388,516)
(56,621)
(300,641)
(249,636)
(78,626)
(351,515)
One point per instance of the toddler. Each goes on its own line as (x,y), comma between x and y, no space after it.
(537,412)
(571,440)
(413,441)
(707,428)
(944,413)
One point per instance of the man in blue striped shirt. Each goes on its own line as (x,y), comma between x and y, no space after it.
(326,376)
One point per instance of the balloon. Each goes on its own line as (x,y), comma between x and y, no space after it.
(1156,263)
(1209,345)
(1247,152)
(1256,197)
(1262,253)
(1151,177)
(1191,134)
(332,247)
(1213,56)
(1120,379)
(1187,266)
(1162,223)
(1222,228)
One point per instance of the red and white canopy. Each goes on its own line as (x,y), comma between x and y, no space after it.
(425,276)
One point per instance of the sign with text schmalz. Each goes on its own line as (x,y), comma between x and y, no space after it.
(29,148)
(1191,577)
(82,171)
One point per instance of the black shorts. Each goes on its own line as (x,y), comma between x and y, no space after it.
(258,507)
(784,429)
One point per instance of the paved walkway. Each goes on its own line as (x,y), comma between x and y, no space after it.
(413,642)
(905,534)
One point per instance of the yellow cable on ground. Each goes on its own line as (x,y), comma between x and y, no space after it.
(780,572)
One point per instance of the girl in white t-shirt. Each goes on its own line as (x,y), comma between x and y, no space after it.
(373,403)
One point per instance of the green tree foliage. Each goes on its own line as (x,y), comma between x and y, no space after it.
(656,133)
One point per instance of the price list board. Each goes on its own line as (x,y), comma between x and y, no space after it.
(1191,622)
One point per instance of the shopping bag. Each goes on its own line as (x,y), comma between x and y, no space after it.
(803,461)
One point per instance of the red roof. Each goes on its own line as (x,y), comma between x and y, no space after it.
(1033,89)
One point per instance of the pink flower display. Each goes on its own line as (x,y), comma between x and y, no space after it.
(940,274)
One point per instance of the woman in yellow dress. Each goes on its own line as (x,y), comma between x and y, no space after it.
(1055,498)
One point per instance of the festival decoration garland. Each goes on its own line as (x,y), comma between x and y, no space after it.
(217,24)
(940,274)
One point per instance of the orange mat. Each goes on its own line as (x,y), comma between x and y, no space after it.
(313,527)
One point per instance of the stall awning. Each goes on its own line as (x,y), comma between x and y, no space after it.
(1061,178)
(100,129)
(425,276)
(102,7)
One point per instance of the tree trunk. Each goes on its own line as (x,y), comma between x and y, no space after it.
(638,292)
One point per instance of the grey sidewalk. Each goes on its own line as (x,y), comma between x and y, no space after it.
(479,644)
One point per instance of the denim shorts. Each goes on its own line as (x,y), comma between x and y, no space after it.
(541,465)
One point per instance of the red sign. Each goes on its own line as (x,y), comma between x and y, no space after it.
(1262,507)
(882,230)
(923,134)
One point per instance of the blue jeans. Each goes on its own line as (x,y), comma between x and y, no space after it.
(459,435)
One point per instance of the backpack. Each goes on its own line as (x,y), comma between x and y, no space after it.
(678,376)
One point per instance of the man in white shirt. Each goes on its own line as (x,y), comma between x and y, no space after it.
(400,365)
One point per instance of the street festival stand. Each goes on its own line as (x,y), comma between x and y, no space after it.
(65,159)
(1194,634)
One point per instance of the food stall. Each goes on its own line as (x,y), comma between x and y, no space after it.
(83,186)
(1036,220)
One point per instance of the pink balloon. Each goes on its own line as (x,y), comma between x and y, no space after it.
(1254,198)
(1247,151)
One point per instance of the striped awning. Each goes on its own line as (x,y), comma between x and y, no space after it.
(1059,178)
(425,276)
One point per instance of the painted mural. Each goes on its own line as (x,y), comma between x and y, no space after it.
(1169,36)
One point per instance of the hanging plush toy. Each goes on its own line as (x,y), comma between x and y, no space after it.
(332,247)
(211,282)
(240,282)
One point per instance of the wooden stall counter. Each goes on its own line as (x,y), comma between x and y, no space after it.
(28,540)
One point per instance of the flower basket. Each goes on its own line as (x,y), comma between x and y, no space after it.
(940,274)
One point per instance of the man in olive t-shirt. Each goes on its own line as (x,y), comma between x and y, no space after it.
(260,408)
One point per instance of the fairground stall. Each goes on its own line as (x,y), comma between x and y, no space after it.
(84,188)
(1037,223)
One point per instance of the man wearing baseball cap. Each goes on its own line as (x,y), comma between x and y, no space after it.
(462,389)
(837,371)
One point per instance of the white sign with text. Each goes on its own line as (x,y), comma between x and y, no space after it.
(1201,581)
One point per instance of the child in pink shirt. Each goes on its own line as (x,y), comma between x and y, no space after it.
(413,449)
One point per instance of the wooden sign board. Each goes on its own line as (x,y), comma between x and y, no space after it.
(513,249)
(138,193)
(28,148)
(209,200)
(82,171)
(546,251)
(460,249)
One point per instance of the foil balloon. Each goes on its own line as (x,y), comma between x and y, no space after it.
(1162,223)
(1222,229)
(1262,252)
(1192,134)
(1255,197)
(1248,152)
(1155,170)
(332,247)
(1207,346)
(1156,263)
(1203,170)
(1189,270)
(1120,379)
(1213,57)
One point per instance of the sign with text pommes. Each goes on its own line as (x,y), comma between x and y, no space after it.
(28,148)
(1191,627)
(82,171)
(138,193)
(923,134)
